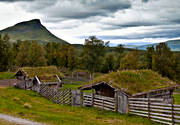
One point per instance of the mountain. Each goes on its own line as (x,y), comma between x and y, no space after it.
(174,45)
(31,30)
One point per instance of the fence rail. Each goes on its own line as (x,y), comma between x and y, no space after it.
(102,102)
(156,110)
(61,96)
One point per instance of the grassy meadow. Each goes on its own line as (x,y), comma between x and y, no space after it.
(177,99)
(30,105)
(7,75)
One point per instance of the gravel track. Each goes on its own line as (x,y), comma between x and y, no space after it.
(18,120)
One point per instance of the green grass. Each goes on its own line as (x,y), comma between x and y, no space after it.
(71,86)
(30,105)
(134,81)
(7,75)
(177,99)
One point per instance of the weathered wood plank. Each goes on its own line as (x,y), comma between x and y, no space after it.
(160,114)
(104,105)
(177,121)
(140,108)
(160,107)
(158,110)
(145,115)
(167,123)
(137,105)
(146,99)
(137,111)
(176,106)
(161,104)
(106,108)
(104,98)
(176,116)
(176,109)
(103,101)
(108,100)
(137,102)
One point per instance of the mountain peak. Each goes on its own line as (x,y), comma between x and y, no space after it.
(35,22)
(31,30)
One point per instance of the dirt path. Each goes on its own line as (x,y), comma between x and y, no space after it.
(18,120)
(7,83)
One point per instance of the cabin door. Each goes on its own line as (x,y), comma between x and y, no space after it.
(122,102)
(76,97)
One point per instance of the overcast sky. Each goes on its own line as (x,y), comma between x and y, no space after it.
(118,21)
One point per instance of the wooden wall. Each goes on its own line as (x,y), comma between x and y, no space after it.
(164,94)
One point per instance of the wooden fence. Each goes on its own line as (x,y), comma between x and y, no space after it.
(156,110)
(102,102)
(153,108)
(62,96)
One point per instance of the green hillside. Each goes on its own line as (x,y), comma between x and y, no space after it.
(31,30)
(30,105)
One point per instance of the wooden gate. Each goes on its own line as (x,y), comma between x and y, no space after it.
(76,97)
(122,102)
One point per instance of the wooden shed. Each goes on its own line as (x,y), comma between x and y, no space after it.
(132,83)
(32,77)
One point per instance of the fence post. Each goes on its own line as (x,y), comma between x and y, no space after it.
(82,99)
(172,110)
(148,105)
(92,103)
(63,93)
(115,100)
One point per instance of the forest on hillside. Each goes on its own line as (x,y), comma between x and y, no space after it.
(95,56)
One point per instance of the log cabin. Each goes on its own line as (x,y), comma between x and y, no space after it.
(132,83)
(31,78)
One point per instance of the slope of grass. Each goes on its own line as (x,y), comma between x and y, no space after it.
(30,105)
(7,75)
(31,30)
(134,81)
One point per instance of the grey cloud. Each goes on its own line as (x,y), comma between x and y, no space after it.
(145,1)
(77,9)
(16,0)
(164,15)
(112,26)
(38,5)
(153,32)
(160,34)
(150,14)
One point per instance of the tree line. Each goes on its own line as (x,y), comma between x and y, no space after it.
(95,56)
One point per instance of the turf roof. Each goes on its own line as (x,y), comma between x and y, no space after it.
(47,73)
(133,81)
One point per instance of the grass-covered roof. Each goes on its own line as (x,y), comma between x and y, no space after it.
(133,81)
(47,73)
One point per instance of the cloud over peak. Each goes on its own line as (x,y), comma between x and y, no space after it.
(110,19)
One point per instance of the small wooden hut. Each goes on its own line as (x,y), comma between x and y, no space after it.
(32,77)
(132,83)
